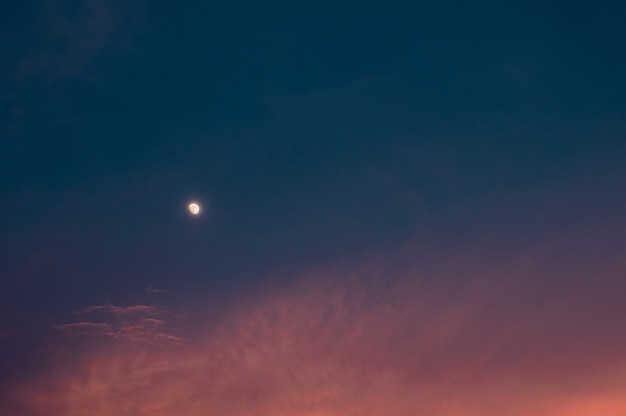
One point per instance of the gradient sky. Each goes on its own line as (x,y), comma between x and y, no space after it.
(408,208)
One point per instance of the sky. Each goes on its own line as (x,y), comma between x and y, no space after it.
(406,208)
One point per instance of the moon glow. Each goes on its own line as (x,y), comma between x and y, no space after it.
(194,208)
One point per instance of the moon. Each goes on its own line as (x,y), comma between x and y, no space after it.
(194,208)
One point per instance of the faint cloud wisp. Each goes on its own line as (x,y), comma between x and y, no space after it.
(128,323)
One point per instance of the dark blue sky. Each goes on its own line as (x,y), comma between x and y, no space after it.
(313,131)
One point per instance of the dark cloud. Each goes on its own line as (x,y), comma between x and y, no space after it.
(56,46)
(65,37)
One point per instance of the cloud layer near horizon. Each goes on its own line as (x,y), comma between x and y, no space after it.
(476,333)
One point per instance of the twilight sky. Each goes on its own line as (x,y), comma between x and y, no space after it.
(407,208)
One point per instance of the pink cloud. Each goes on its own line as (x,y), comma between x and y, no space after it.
(127,325)
(154,291)
(537,332)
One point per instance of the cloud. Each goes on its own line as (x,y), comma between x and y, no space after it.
(128,324)
(479,332)
(6,334)
(56,41)
(90,327)
(145,331)
(154,291)
(121,311)
(67,36)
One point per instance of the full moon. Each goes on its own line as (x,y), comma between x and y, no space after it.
(194,208)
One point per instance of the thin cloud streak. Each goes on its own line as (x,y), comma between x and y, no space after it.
(128,324)
(86,326)
(121,311)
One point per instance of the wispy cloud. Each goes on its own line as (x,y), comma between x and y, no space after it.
(59,40)
(71,36)
(128,323)
(154,291)
(121,311)
(98,327)
(535,332)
